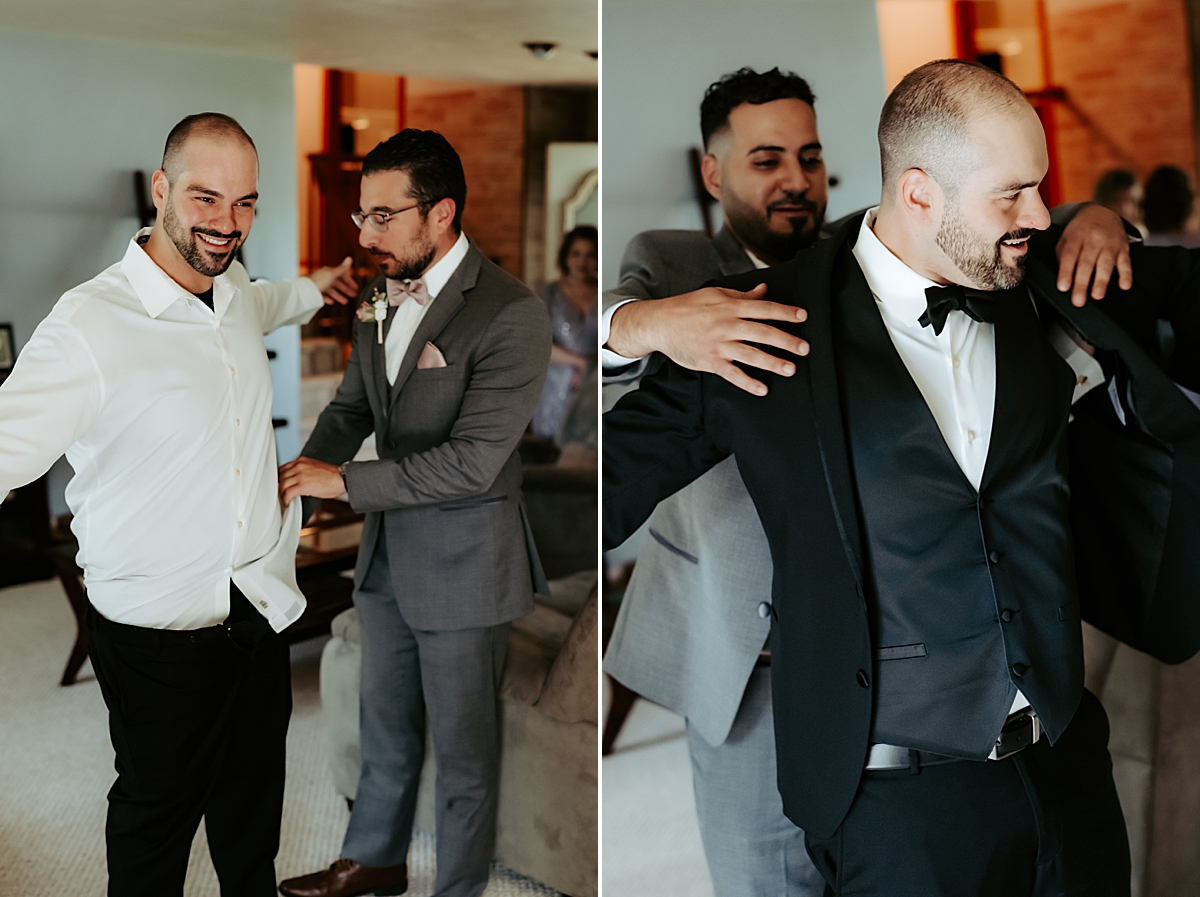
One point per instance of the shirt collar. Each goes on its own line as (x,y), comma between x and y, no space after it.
(896,286)
(155,287)
(755,260)
(439,275)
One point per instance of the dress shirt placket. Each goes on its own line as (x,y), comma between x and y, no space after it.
(222,296)
(972,431)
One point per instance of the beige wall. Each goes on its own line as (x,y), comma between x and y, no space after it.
(911,33)
(1125,67)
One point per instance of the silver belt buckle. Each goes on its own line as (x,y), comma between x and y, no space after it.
(1019,731)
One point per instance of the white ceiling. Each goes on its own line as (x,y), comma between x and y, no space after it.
(470,40)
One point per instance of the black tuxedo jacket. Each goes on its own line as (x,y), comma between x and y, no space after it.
(1135,482)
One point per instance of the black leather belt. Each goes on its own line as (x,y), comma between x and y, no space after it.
(1019,731)
(764,658)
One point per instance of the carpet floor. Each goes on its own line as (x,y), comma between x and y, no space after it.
(651,838)
(56,765)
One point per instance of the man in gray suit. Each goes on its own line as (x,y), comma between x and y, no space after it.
(709,586)
(448,363)
(696,615)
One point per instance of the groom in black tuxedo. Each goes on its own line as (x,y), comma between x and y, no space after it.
(936,527)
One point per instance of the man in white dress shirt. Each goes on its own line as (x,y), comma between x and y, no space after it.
(154,381)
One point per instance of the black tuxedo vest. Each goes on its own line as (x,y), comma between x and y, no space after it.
(971,595)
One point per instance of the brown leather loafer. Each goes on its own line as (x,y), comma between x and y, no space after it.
(345,878)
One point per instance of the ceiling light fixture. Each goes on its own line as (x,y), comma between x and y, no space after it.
(540,49)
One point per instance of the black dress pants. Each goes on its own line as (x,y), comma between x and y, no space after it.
(1045,822)
(198,721)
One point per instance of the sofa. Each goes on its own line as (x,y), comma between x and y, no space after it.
(547,826)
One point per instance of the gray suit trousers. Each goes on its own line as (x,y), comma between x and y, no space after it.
(449,678)
(752,849)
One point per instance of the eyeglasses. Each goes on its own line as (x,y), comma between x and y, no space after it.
(379,220)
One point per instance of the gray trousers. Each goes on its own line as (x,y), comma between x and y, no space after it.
(450,678)
(752,849)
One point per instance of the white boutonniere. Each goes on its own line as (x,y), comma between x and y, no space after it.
(376,310)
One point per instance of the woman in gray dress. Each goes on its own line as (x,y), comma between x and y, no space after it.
(572,303)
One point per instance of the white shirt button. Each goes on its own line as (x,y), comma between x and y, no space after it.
(956,364)
(237,473)
(970,435)
(237,421)
(239,524)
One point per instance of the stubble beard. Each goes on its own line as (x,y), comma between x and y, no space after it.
(412,264)
(210,264)
(982,262)
(753,228)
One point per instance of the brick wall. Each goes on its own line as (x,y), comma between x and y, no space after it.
(1126,70)
(486,125)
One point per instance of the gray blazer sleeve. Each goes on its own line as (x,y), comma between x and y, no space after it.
(504,386)
(644,275)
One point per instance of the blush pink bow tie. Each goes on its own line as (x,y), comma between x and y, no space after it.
(399,290)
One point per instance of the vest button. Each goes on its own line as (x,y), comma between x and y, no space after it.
(764,609)
(994,557)
(863,679)
(1019,669)
(1006,615)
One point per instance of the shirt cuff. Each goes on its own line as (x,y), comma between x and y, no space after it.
(1088,373)
(608,358)
(309,293)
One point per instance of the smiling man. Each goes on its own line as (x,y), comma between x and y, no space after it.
(153,379)
(910,475)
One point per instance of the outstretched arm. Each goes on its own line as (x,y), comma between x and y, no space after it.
(656,441)
(47,403)
(704,330)
(295,301)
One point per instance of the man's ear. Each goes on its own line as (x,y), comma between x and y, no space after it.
(920,196)
(442,213)
(159,188)
(710,172)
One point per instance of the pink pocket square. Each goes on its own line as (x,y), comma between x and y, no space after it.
(431,357)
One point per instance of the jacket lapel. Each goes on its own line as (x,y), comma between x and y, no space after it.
(733,258)
(371,360)
(834,268)
(441,311)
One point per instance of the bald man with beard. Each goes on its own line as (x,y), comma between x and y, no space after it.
(931,550)
(153,379)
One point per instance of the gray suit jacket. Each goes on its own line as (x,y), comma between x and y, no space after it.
(697,610)
(448,478)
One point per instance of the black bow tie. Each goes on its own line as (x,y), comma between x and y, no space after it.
(975,304)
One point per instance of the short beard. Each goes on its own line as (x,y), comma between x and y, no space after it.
(983,263)
(754,231)
(202,261)
(412,265)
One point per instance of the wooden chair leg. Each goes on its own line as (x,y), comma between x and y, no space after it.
(71,578)
(622,703)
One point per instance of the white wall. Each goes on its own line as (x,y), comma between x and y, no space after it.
(660,55)
(77,116)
